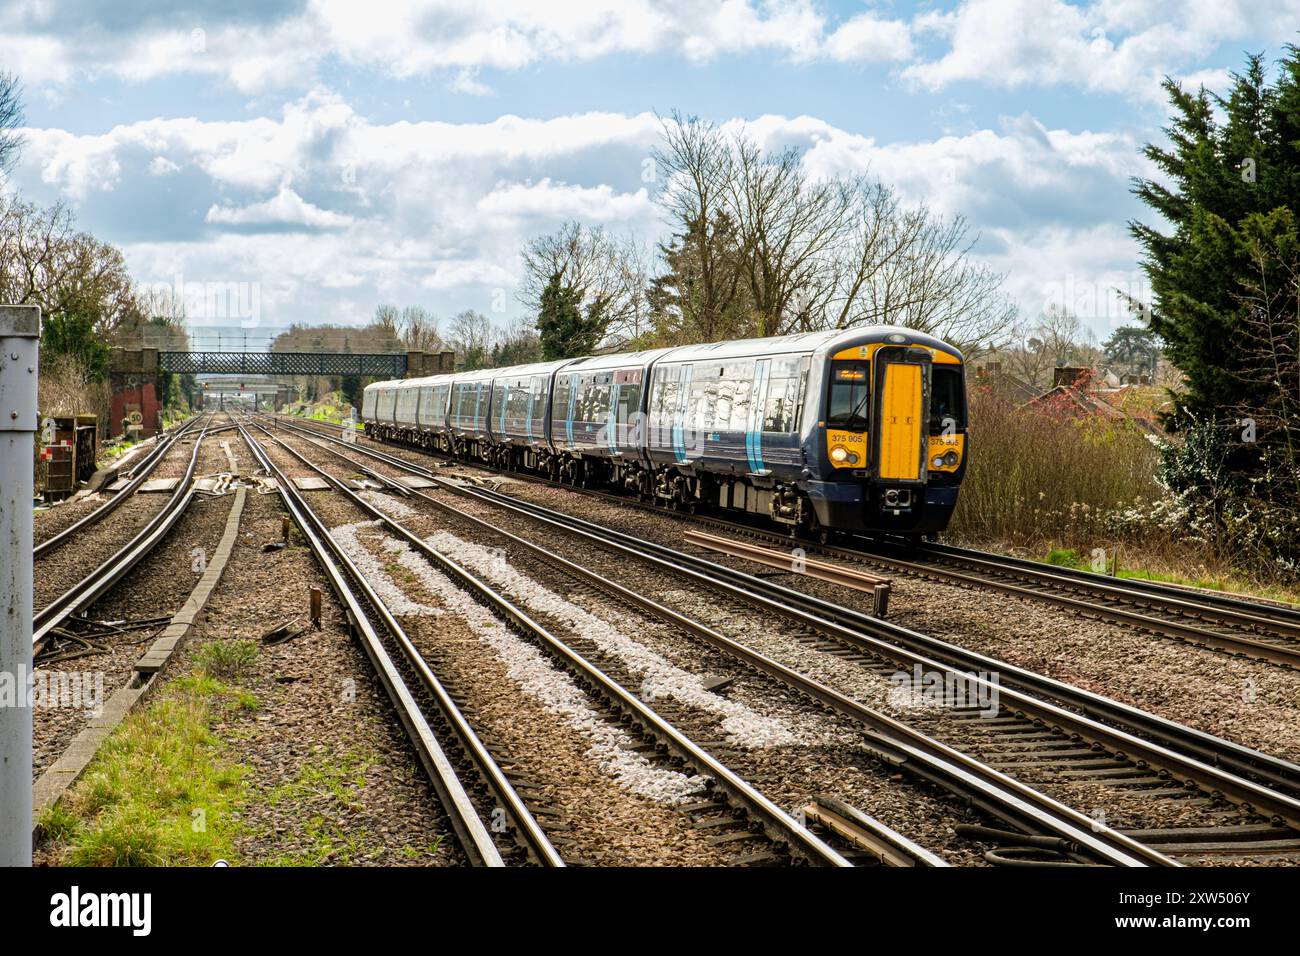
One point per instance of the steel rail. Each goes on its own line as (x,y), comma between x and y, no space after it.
(471,832)
(1238,644)
(879,636)
(89,588)
(775,821)
(138,476)
(1281,613)
(998,794)
(869,834)
(1203,747)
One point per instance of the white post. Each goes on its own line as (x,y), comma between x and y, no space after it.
(20,333)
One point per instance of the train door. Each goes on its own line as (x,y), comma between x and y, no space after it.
(679,416)
(902,395)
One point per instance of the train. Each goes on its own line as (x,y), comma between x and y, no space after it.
(860,430)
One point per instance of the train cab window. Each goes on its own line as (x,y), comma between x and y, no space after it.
(850,399)
(947,400)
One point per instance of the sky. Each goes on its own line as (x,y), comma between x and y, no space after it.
(279,161)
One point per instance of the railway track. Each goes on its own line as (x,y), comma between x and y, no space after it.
(760,821)
(1006,729)
(1262,631)
(49,619)
(1265,792)
(137,474)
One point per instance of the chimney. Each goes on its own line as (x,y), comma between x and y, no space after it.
(1071,375)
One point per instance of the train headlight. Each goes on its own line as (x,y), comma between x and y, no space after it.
(839,453)
(950,458)
(936,461)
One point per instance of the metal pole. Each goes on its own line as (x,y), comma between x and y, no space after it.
(20,333)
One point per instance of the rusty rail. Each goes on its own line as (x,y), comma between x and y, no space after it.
(797,563)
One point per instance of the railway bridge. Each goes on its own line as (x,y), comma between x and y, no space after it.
(133,373)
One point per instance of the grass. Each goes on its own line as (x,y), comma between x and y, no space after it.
(227,659)
(162,791)
(331,786)
(1135,564)
(166,788)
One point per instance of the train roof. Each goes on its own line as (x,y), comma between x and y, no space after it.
(803,343)
(535,368)
(800,343)
(428,380)
(387,383)
(597,363)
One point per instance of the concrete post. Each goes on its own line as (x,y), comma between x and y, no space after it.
(20,333)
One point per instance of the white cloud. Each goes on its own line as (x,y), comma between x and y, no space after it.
(402,38)
(865,38)
(546,200)
(329,213)
(286,208)
(1109,46)
(466,82)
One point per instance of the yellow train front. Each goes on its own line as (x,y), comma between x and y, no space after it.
(889,445)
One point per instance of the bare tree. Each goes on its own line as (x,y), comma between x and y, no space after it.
(419,329)
(471,338)
(759,236)
(699,168)
(789,227)
(1055,338)
(11,120)
(388,318)
(609,274)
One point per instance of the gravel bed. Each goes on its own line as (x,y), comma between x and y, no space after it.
(320,705)
(49,521)
(617,806)
(1118,807)
(757,726)
(1253,704)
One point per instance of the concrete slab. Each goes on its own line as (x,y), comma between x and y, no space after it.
(159,485)
(416,481)
(311,483)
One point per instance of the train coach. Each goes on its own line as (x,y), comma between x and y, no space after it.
(849,430)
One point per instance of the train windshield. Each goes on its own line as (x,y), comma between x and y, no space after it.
(850,403)
(947,401)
